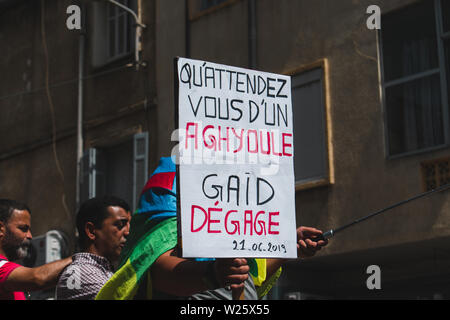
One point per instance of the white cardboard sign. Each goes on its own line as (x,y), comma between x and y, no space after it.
(236,168)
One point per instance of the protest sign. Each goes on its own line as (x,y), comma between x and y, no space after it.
(235,166)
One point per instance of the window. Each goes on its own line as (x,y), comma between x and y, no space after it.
(435,173)
(415,65)
(113,31)
(119,170)
(120,30)
(310,130)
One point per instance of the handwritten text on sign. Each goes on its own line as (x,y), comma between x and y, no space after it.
(236,162)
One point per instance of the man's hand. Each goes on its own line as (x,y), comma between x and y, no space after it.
(183,277)
(305,246)
(231,272)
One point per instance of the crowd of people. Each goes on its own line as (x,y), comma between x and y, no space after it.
(122,255)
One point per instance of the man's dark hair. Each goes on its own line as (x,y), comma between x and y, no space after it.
(95,210)
(7,208)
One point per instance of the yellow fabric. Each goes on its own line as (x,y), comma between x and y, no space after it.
(121,286)
(262,284)
(267,285)
(262,272)
(149,286)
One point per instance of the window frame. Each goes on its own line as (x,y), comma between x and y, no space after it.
(443,86)
(196,10)
(128,31)
(100,33)
(329,179)
(92,167)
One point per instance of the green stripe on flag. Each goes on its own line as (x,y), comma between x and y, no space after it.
(124,284)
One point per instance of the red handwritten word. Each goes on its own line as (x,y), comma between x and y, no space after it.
(249,140)
(233,222)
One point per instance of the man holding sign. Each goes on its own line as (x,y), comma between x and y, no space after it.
(236,171)
(150,265)
(223,219)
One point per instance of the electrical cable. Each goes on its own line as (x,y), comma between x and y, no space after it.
(66,82)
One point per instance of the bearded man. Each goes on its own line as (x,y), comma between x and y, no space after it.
(15,239)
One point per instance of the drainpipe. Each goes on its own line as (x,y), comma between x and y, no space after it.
(80,109)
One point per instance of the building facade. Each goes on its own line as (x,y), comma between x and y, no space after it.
(371,114)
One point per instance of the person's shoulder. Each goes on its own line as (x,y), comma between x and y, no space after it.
(5,263)
(6,267)
(86,263)
(77,265)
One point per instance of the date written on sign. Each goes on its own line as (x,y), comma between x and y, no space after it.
(259,246)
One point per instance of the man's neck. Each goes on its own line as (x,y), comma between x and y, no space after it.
(2,253)
(93,249)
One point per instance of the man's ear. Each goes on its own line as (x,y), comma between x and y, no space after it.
(89,229)
(2,229)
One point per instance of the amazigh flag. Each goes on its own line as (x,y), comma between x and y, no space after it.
(153,231)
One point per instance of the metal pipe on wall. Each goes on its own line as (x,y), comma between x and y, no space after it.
(82,41)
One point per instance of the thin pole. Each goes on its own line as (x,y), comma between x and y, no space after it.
(80,114)
(332,232)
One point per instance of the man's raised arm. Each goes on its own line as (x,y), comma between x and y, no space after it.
(38,278)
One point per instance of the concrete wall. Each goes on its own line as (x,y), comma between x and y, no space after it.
(290,35)
(170,42)
(38,126)
(294,35)
(36,166)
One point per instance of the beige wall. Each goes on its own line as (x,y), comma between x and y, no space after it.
(34,178)
(116,105)
(294,34)
(28,162)
(291,35)
(170,43)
